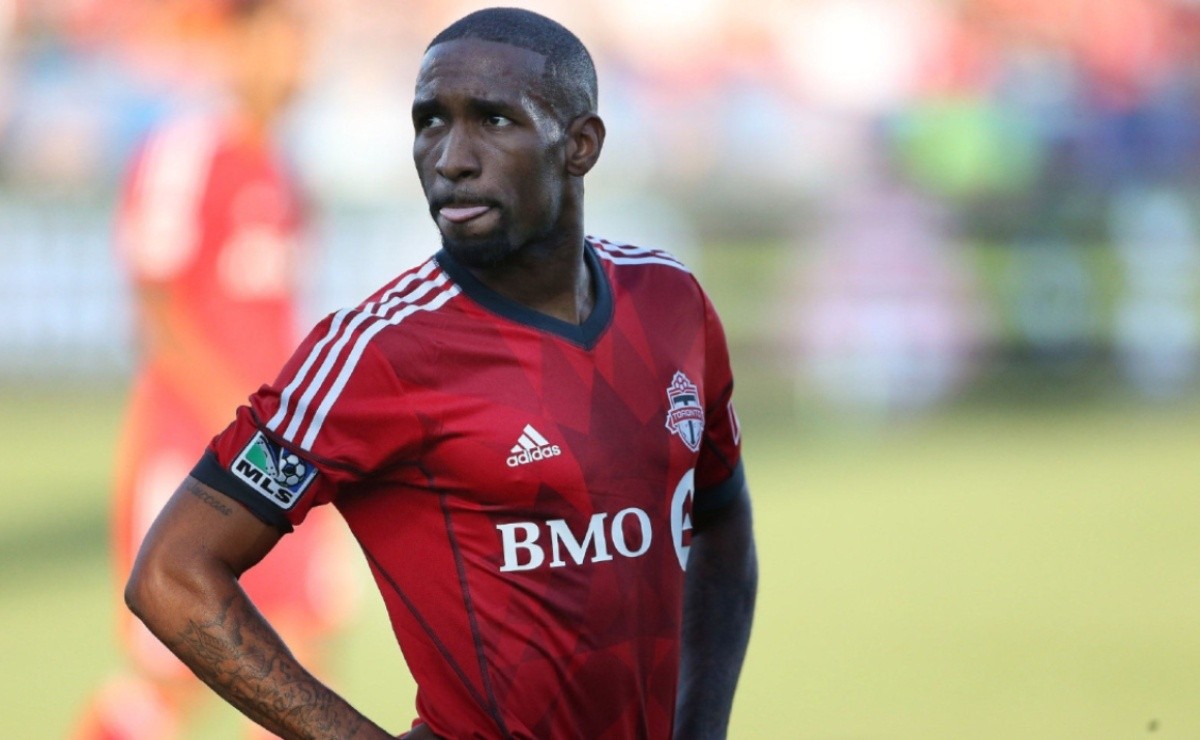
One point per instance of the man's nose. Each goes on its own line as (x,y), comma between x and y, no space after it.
(457,158)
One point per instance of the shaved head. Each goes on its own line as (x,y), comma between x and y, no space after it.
(569,74)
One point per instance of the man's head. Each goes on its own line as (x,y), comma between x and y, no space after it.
(506,128)
(263,48)
(569,76)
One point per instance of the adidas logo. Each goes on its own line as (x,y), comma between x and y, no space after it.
(531,447)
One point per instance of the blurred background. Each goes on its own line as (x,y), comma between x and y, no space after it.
(956,248)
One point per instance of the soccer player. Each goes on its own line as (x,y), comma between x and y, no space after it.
(209,226)
(531,435)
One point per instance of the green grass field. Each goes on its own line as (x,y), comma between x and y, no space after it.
(983,574)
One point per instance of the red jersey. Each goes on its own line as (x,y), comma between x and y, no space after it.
(522,487)
(215,219)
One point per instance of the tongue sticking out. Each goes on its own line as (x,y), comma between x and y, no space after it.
(458,214)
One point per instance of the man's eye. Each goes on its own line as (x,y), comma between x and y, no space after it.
(498,121)
(429,122)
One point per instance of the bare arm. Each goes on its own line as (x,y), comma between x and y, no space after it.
(184,586)
(718,607)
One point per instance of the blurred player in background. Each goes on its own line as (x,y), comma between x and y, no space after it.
(209,230)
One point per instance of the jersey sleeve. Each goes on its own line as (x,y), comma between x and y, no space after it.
(158,229)
(335,416)
(719,473)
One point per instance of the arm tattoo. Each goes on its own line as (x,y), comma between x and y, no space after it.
(202,494)
(242,659)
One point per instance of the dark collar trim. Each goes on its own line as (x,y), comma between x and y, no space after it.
(585,335)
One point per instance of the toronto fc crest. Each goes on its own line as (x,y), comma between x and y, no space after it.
(685,416)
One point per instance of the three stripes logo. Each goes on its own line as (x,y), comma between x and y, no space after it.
(531,447)
(307,400)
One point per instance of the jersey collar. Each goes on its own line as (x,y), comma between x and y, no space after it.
(585,335)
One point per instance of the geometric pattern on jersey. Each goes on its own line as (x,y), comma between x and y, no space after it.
(515,484)
(332,361)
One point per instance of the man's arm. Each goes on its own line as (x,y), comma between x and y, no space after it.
(718,607)
(184,586)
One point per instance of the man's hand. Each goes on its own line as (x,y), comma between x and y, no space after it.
(184,586)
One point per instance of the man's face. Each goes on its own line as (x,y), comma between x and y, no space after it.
(488,149)
(265,53)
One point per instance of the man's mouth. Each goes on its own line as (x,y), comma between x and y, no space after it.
(462,213)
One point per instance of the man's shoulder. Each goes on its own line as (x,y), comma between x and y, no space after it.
(632,255)
(655,273)
(419,291)
(391,325)
(413,284)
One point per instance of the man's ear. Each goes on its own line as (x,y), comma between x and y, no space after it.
(585,139)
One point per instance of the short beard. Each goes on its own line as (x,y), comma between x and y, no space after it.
(480,254)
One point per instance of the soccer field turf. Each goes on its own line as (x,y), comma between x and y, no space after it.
(984,574)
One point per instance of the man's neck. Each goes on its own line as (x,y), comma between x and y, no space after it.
(553,281)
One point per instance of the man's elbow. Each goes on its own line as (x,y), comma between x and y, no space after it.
(156,580)
(140,589)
